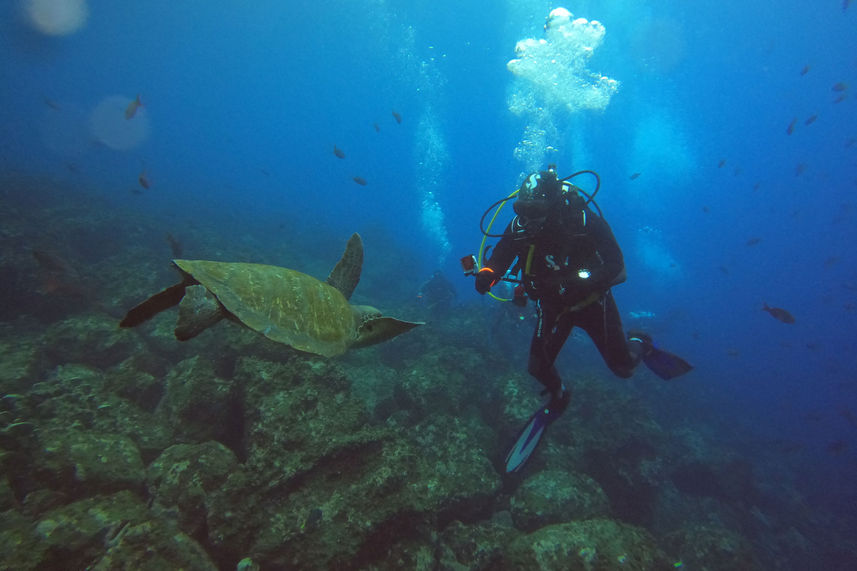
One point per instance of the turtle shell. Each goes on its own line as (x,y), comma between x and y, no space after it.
(284,305)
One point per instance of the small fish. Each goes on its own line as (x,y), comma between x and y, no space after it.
(811,120)
(805,70)
(753,241)
(841,86)
(721,164)
(779,314)
(377,128)
(175,245)
(143,179)
(338,152)
(756,186)
(131,110)
(52,104)
(397,117)
(634,176)
(706,209)
(791,128)
(359,180)
(849,142)
(842,97)
(800,169)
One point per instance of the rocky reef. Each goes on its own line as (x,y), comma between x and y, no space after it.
(128,449)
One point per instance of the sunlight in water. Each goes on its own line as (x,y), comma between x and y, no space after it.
(56,17)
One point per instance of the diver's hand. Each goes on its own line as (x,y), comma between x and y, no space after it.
(484,280)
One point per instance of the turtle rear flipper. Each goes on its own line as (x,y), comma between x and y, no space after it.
(166,299)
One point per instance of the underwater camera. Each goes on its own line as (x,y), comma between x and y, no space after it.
(468,265)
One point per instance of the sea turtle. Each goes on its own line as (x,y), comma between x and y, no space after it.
(284,305)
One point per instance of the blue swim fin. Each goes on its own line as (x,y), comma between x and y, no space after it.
(664,364)
(528,440)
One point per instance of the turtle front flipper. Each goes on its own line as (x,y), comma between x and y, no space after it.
(378,329)
(166,299)
(198,310)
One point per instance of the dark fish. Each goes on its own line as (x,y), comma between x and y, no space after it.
(359,180)
(845,4)
(800,168)
(791,128)
(634,176)
(811,120)
(756,186)
(841,86)
(706,209)
(753,241)
(265,172)
(838,447)
(175,245)
(397,117)
(53,263)
(805,70)
(849,142)
(721,164)
(143,179)
(779,314)
(842,97)
(136,191)
(831,261)
(131,110)
(377,128)
(338,152)
(52,104)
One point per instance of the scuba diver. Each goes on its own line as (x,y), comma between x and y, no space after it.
(568,260)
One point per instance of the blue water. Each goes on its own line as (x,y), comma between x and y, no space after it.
(246,100)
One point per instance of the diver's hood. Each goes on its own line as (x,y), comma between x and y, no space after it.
(538,196)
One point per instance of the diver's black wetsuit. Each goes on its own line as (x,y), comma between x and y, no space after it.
(553,261)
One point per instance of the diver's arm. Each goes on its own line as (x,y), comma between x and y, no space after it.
(503,254)
(608,249)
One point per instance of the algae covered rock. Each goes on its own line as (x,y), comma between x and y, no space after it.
(180,479)
(709,546)
(556,496)
(73,535)
(92,339)
(153,546)
(197,404)
(476,546)
(79,396)
(96,462)
(322,487)
(589,545)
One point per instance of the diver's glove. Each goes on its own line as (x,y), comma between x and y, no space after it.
(485,278)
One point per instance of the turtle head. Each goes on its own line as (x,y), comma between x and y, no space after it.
(372,328)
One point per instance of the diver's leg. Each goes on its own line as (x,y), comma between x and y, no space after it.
(601,320)
(548,338)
